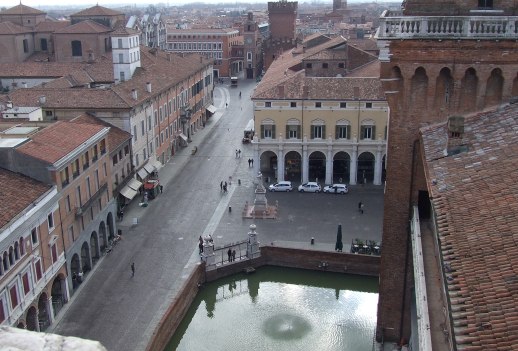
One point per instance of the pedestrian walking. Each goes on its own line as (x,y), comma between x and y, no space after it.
(229,253)
(233,255)
(252,161)
(226,104)
(248,162)
(239,152)
(133,269)
(360,207)
(225,187)
(220,188)
(161,188)
(200,246)
(239,94)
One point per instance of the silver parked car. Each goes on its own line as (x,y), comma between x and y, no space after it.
(336,189)
(310,187)
(285,185)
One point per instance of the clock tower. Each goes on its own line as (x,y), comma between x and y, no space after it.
(251,49)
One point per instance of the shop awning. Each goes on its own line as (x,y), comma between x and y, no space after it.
(157,164)
(183,137)
(211,108)
(134,184)
(128,193)
(142,173)
(149,167)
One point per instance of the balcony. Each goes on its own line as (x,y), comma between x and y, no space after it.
(83,208)
(393,25)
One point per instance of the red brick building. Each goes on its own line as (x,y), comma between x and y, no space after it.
(439,59)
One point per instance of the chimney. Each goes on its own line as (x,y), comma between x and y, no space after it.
(148,87)
(24,84)
(456,143)
(280,91)
(134,94)
(9,104)
(42,100)
(169,57)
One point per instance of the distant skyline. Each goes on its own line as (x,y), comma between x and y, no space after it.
(143,3)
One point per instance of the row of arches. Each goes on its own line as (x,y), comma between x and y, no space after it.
(12,255)
(365,168)
(452,93)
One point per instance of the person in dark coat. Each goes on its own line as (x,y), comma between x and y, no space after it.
(229,253)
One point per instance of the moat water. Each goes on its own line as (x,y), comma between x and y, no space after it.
(281,309)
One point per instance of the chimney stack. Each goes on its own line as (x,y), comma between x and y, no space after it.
(148,87)
(169,57)
(305,92)
(9,104)
(134,94)
(24,84)
(456,143)
(42,100)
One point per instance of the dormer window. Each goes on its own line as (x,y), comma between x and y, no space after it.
(309,65)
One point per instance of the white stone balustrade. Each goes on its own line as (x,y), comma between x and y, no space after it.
(396,26)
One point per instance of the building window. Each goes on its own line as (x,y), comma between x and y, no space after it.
(485,4)
(77,49)
(25,45)
(43,44)
(65,180)
(50,220)
(341,65)
(249,56)
(368,105)
(318,129)
(149,125)
(54,253)
(121,58)
(309,65)
(34,236)
(343,105)
(71,236)
(67,204)
(26,283)
(122,76)
(268,104)
(13,292)
(145,154)
(293,104)
(119,43)
(142,128)
(268,129)
(343,132)
(318,104)
(325,65)
(367,131)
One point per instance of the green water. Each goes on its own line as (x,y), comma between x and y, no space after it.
(281,309)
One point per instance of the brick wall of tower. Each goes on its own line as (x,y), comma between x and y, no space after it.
(437,79)
(282,16)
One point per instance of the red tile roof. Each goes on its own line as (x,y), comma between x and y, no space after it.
(97,11)
(116,136)
(22,10)
(84,27)
(475,197)
(17,193)
(50,26)
(38,69)
(287,71)
(58,140)
(9,28)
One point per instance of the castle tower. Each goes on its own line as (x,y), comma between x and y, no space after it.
(125,53)
(252,49)
(432,68)
(282,16)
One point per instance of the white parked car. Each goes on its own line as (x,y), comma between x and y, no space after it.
(281,186)
(310,187)
(336,189)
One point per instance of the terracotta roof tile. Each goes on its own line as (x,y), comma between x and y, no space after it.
(97,11)
(58,140)
(17,193)
(475,196)
(9,28)
(116,136)
(87,26)
(38,69)
(50,26)
(22,10)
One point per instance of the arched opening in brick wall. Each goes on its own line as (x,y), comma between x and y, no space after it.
(418,91)
(494,87)
(397,83)
(443,90)
(514,92)
(468,91)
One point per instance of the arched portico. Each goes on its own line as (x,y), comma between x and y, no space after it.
(94,248)
(32,319)
(103,239)
(341,167)
(292,166)
(268,164)
(366,163)
(317,166)
(85,258)
(111,225)
(75,269)
(45,316)
(59,293)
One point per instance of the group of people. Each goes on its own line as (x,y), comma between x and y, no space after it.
(238,153)
(223,186)
(231,255)
(200,242)
(250,162)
